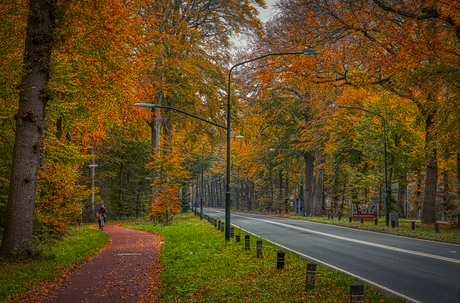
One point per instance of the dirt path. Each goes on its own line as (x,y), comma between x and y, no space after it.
(125,271)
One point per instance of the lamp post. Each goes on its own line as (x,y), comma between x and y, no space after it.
(301,171)
(91,196)
(333,106)
(306,51)
(202,171)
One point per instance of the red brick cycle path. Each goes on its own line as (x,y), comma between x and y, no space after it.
(127,270)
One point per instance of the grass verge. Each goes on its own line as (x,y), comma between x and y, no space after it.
(17,277)
(200,266)
(447,233)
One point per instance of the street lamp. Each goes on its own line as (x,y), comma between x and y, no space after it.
(202,171)
(307,51)
(334,106)
(91,197)
(301,171)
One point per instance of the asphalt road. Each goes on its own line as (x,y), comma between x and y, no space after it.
(417,270)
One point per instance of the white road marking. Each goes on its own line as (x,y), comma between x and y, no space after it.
(358,241)
(369,282)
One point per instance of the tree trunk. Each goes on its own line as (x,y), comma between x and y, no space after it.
(120,190)
(335,192)
(458,188)
(445,195)
(34,93)
(309,183)
(167,131)
(92,171)
(271,184)
(318,193)
(418,214)
(402,197)
(155,127)
(431,172)
(280,185)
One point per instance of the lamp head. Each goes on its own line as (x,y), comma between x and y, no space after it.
(239,137)
(309,51)
(93,165)
(334,106)
(144,105)
(272,149)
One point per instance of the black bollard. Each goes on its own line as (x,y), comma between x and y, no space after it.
(412,224)
(436,228)
(340,218)
(260,252)
(350,219)
(237,238)
(362,220)
(376,221)
(222,226)
(232,232)
(393,223)
(247,242)
(218,225)
(332,216)
(311,275)
(280,259)
(356,293)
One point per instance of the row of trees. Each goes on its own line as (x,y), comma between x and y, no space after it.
(395,58)
(70,74)
(77,69)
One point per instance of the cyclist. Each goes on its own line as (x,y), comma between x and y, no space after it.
(103,213)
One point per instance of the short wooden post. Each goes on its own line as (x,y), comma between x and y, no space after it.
(247,242)
(280,259)
(260,252)
(436,228)
(412,224)
(356,293)
(376,221)
(311,275)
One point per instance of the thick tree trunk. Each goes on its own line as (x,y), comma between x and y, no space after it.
(34,93)
(309,183)
(318,193)
(431,172)
(155,127)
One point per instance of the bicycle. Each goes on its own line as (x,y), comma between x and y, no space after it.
(102,222)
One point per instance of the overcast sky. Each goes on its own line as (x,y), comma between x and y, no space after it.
(264,15)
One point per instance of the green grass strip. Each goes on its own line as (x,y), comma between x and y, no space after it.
(447,232)
(81,244)
(200,266)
